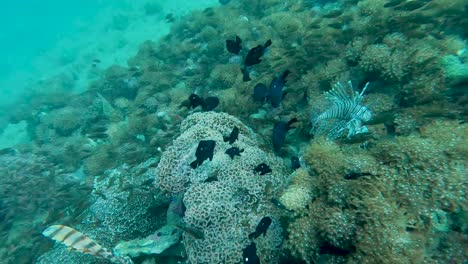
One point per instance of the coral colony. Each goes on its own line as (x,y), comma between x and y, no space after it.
(355,152)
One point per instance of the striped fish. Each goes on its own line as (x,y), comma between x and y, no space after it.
(347,108)
(81,243)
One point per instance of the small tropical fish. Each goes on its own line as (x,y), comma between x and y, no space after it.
(354,175)
(192,102)
(81,243)
(234,46)
(278,204)
(233,136)
(276,94)
(195,232)
(210,103)
(249,254)
(169,18)
(261,228)
(254,55)
(204,151)
(295,164)
(262,168)
(393,3)
(279,133)
(260,93)
(234,151)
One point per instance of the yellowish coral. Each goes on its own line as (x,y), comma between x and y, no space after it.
(299,193)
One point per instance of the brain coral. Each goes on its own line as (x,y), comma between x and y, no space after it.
(175,175)
(225,199)
(226,221)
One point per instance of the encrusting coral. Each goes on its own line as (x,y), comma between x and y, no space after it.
(225,198)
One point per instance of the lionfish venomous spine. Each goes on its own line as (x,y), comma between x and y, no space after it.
(82,243)
(346,109)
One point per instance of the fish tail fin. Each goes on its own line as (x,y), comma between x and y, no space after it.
(245,75)
(194,164)
(267,44)
(292,121)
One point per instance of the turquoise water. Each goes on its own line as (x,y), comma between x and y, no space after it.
(233,131)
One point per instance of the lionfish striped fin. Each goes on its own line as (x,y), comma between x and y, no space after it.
(341,93)
(80,242)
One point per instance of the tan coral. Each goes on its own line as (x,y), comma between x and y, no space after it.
(299,193)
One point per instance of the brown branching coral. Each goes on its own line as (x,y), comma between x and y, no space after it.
(409,200)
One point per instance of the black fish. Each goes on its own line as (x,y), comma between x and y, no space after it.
(210,103)
(233,136)
(262,168)
(275,94)
(261,228)
(254,55)
(358,138)
(204,151)
(279,133)
(354,175)
(260,93)
(234,151)
(193,101)
(249,254)
(295,163)
(245,75)
(234,46)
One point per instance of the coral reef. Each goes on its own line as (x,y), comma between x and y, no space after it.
(224,198)
(34,193)
(403,207)
(391,194)
(123,206)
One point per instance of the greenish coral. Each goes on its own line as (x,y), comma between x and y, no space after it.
(455,70)
(298,194)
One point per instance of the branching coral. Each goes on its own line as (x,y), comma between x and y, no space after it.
(399,212)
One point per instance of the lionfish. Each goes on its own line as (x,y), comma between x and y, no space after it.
(346,112)
(82,243)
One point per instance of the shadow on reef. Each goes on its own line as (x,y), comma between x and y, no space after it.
(378,89)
